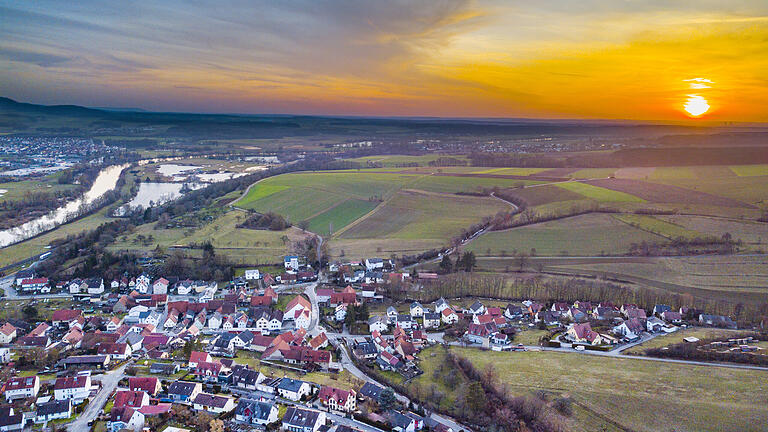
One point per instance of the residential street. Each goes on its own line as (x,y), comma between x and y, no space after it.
(108,385)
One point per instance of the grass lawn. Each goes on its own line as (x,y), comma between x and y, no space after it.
(529,337)
(641,395)
(598,193)
(589,234)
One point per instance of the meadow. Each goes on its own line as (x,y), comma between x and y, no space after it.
(597,193)
(589,234)
(663,396)
(678,336)
(657,226)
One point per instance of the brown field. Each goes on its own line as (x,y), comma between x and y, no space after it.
(545,194)
(538,176)
(710,172)
(663,193)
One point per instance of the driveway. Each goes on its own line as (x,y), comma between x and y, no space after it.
(108,385)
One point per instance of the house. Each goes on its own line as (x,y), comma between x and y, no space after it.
(547,317)
(113,324)
(378,323)
(661,308)
(213,403)
(583,333)
(21,388)
(479,333)
(672,317)
(431,320)
(365,350)
(654,324)
(477,308)
(449,316)
(95,286)
(303,319)
(197,357)
(208,371)
(76,388)
(297,304)
(125,418)
(630,329)
(292,389)
(392,314)
(7,333)
(291,263)
(34,285)
(133,399)
(401,422)
(246,378)
(338,400)
(21,275)
(184,391)
(717,321)
(255,412)
(150,385)
(53,410)
(160,286)
(374,264)
(303,420)
(63,317)
(252,274)
(9,420)
(387,361)
(319,341)
(5,355)
(118,351)
(513,312)
(417,310)
(371,391)
(404,321)
(340,313)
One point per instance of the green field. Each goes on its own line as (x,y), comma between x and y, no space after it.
(511,171)
(584,235)
(340,215)
(449,184)
(389,161)
(589,173)
(753,235)
(639,395)
(598,193)
(242,246)
(657,226)
(20,189)
(750,170)
(258,192)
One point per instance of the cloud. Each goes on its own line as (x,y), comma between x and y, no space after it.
(32,57)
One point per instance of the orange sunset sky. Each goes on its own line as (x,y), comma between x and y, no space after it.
(645,60)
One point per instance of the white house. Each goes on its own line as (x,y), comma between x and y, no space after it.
(291,263)
(441,304)
(292,389)
(303,319)
(76,388)
(213,403)
(374,264)
(21,388)
(7,333)
(378,323)
(431,320)
(142,284)
(417,310)
(449,316)
(214,321)
(303,420)
(5,355)
(252,274)
(160,286)
(52,410)
(95,286)
(256,412)
(341,312)
(74,286)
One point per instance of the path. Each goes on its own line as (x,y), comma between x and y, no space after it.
(108,385)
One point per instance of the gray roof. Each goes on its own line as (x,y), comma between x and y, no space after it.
(259,410)
(301,417)
(53,407)
(183,388)
(211,400)
(290,384)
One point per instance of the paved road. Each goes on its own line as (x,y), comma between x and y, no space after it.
(108,385)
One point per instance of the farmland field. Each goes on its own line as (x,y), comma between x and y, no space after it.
(588,173)
(584,235)
(17,190)
(340,216)
(665,193)
(663,396)
(750,170)
(544,194)
(597,193)
(401,160)
(753,234)
(657,226)
(510,171)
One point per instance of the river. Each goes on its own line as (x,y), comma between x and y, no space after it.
(105,182)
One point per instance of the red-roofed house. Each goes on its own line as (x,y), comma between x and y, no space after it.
(197,357)
(338,400)
(583,333)
(76,388)
(133,399)
(319,341)
(7,333)
(21,388)
(149,385)
(297,303)
(65,316)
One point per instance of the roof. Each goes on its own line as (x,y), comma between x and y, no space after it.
(71,382)
(318,340)
(252,408)
(129,398)
(298,300)
(290,384)
(198,356)
(327,393)
(86,359)
(53,407)
(7,329)
(301,417)
(183,388)
(208,399)
(144,383)
(66,315)
(371,390)
(20,383)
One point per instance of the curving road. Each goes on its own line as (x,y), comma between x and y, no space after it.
(109,382)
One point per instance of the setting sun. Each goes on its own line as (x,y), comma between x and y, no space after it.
(696,105)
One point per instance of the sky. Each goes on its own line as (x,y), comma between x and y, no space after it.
(616,59)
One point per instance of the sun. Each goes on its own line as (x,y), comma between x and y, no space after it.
(696,105)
